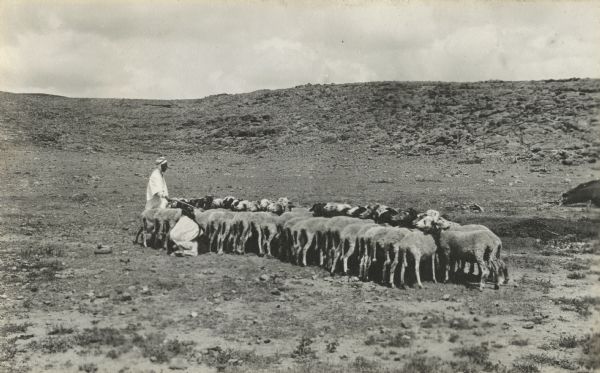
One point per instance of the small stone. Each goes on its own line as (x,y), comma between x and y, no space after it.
(193,314)
(275,292)
(267,340)
(446,297)
(126,297)
(405,325)
(263,277)
(146,290)
(314,277)
(102,250)
(528,325)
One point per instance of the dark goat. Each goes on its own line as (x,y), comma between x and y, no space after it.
(318,209)
(404,218)
(186,208)
(202,203)
(582,193)
(385,215)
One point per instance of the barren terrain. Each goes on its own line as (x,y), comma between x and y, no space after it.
(74,174)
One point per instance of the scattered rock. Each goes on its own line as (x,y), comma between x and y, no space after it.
(528,325)
(275,292)
(125,297)
(446,297)
(102,250)
(264,277)
(146,291)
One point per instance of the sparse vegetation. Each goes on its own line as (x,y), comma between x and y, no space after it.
(570,341)
(332,346)
(591,350)
(60,330)
(576,275)
(476,354)
(160,349)
(303,351)
(14,328)
(579,305)
(100,336)
(519,342)
(88,368)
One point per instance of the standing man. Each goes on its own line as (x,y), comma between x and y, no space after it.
(157,193)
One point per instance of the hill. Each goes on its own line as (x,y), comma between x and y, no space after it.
(553,120)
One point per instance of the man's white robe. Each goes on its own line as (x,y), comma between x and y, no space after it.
(156,191)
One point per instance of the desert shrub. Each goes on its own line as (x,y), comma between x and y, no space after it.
(303,351)
(332,346)
(401,340)
(60,330)
(570,341)
(157,346)
(216,356)
(591,350)
(575,266)
(371,340)
(100,336)
(460,323)
(52,345)
(167,284)
(430,321)
(423,364)
(49,250)
(476,354)
(525,367)
(329,138)
(519,342)
(579,305)
(576,275)
(14,328)
(44,270)
(453,338)
(88,368)
(363,364)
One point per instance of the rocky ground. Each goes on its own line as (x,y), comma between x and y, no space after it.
(65,308)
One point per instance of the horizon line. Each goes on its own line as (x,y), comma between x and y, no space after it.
(302,85)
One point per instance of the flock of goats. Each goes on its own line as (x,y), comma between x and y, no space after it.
(337,232)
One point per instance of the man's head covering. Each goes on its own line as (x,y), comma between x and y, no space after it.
(161,160)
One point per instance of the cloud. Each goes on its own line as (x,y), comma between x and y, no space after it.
(190,49)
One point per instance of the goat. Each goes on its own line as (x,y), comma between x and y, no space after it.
(148,227)
(166,220)
(466,245)
(350,234)
(286,233)
(311,230)
(389,239)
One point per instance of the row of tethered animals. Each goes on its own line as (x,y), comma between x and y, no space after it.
(336,232)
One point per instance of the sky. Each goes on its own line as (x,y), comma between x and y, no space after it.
(190,49)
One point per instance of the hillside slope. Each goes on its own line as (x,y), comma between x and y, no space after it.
(555,120)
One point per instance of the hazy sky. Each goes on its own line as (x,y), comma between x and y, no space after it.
(190,49)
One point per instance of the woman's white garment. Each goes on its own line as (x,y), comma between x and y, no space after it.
(156,191)
(184,233)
